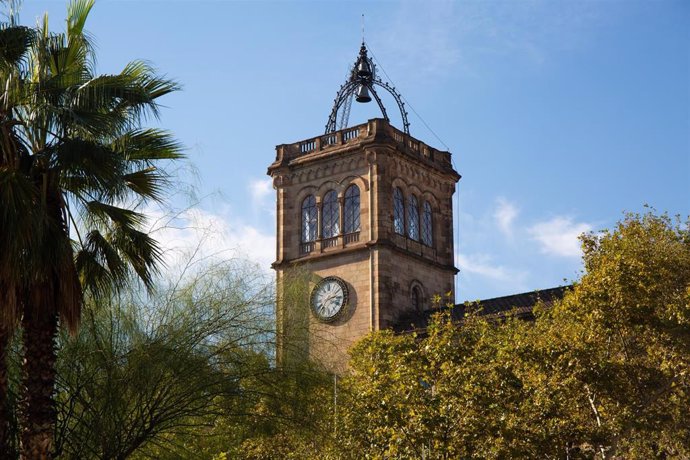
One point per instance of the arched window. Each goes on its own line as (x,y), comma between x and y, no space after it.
(330,226)
(427,224)
(309,219)
(398,211)
(351,210)
(417,298)
(413,218)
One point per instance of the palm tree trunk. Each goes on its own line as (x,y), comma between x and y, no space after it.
(5,447)
(38,407)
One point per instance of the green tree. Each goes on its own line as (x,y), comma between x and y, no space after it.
(295,417)
(620,342)
(75,165)
(146,374)
(601,374)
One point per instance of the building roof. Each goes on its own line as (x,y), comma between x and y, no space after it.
(519,304)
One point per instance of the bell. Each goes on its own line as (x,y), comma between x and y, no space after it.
(362,94)
(363,68)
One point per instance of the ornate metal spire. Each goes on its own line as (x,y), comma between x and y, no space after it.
(360,85)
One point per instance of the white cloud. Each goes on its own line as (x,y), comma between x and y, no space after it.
(504,215)
(205,236)
(260,189)
(481,272)
(482,265)
(262,199)
(559,236)
(466,264)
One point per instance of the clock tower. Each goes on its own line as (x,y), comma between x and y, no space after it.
(364,227)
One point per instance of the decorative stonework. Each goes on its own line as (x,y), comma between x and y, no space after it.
(379,266)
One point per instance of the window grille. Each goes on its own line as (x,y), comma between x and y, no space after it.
(309,214)
(331,215)
(427,225)
(351,210)
(413,218)
(398,211)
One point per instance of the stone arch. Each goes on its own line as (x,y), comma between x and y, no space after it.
(417,295)
(304,191)
(330,185)
(361,182)
(431,198)
(401,184)
(413,189)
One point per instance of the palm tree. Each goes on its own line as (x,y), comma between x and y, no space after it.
(15,42)
(76,165)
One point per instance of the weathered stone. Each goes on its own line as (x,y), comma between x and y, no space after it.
(379,266)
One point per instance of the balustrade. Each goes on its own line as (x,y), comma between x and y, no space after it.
(350,238)
(350,134)
(307,146)
(328,140)
(329,242)
(306,248)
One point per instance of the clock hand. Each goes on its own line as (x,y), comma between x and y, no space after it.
(335,302)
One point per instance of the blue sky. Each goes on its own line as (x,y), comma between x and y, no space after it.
(560,115)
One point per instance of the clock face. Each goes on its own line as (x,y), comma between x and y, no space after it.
(329,298)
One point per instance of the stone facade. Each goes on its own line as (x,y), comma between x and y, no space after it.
(380,267)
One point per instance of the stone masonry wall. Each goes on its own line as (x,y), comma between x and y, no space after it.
(379,266)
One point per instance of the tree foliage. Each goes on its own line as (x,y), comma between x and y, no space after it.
(163,376)
(604,373)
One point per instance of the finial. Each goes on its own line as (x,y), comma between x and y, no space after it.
(359,86)
(362,29)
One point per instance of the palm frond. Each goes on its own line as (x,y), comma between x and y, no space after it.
(15,43)
(18,221)
(147,183)
(87,167)
(68,290)
(141,252)
(112,103)
(113,217)
(144,76)
(104,260)
(104,104)
(70,298)
(99,265)
(148,145)
(77,13)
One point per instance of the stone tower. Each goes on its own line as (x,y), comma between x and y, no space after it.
(367,213)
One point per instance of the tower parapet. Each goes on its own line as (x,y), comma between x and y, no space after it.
(375,130)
